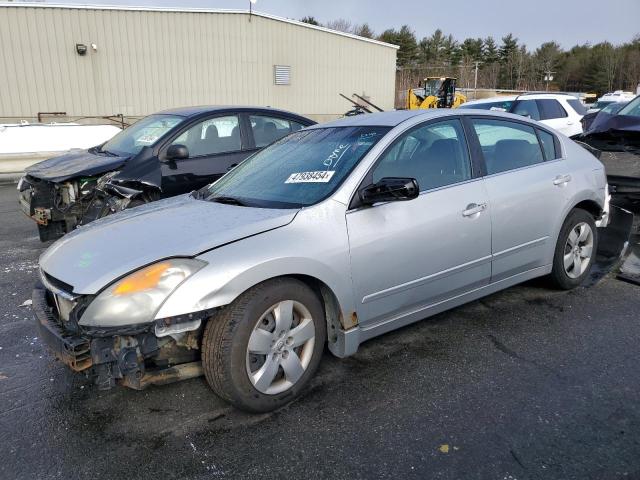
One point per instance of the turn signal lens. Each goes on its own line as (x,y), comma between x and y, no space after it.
(142,280)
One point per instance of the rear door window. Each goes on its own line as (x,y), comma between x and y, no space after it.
(267,130)
(527,108)
(507,145)
(550,108)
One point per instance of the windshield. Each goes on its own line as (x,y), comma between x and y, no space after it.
(613,107)
(143,133)
(632,108)
(298,170)
(432,87)
(601,104)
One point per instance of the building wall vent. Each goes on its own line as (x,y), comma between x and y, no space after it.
(282,74)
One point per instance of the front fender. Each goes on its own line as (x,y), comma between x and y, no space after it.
(315,244)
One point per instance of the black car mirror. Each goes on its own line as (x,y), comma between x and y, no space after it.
(177,152)
(390,189)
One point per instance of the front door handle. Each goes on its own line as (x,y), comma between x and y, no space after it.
(473,209)
(561,180)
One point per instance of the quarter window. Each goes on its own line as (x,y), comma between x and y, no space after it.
(550,109)
(507,145)
(577,106)
(212,136)
(527,108)
(435,155)
(267,130)
(548,145)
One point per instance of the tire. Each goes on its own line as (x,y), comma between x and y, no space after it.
(573,249)
(239,372)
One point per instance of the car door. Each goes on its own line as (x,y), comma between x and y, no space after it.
(406,255)
(214,144)
(527,191)
(555,116)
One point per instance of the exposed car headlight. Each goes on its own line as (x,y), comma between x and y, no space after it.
(22,184)
(137,297)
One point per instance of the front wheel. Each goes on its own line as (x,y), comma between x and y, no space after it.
(575,250)
(261,351)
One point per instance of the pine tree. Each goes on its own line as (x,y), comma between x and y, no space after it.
(406,40)
(490,50)
(310,21)
(363,31)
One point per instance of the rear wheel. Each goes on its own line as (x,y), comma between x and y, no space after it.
(261,351)
(575,250)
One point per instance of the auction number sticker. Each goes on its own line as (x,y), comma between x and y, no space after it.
(311,177)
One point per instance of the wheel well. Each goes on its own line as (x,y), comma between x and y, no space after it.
(333,312)
(590,206)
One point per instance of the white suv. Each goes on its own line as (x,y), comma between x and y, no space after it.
(559,111)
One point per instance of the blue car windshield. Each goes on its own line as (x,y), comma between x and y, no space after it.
(143,133)
(298,170)
(632,108)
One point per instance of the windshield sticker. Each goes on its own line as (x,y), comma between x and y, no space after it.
(311,177)
(333,159)
(147,139)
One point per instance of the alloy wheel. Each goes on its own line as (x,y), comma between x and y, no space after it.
(280,347)
(578,250)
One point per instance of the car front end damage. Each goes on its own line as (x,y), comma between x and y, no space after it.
(59,207)
(78,187)
(138,355)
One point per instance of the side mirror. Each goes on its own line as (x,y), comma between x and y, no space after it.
(390,189)
(177,152)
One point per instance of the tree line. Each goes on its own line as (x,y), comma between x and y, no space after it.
(507,63)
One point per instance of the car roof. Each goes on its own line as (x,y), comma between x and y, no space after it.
(523,96)
(394,118)
(207,109)
(499,98)
(543,95)
(389,118)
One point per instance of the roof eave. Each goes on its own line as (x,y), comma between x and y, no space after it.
(199,10)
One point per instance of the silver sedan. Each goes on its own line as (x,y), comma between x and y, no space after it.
(332,235)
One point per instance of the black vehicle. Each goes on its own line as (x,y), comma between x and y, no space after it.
(611,109)
(615,138)
(162,155)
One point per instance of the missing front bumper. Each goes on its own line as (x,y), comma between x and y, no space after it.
(72,350)
(132,357)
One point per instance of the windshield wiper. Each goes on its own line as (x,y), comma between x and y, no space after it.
(228,201)
(106,152)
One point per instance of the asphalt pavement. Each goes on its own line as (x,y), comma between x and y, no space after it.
(529,383)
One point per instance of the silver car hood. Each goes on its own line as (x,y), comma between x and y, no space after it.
(95,255)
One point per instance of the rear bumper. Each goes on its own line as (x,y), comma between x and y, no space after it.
(72,350)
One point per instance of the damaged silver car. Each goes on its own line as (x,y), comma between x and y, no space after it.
(332,235)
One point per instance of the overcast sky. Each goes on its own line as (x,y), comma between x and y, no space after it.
(533,21)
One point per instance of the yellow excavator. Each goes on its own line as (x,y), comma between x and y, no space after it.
(437,92)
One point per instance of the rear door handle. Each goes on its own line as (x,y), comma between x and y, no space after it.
(474,209)
(561,180)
